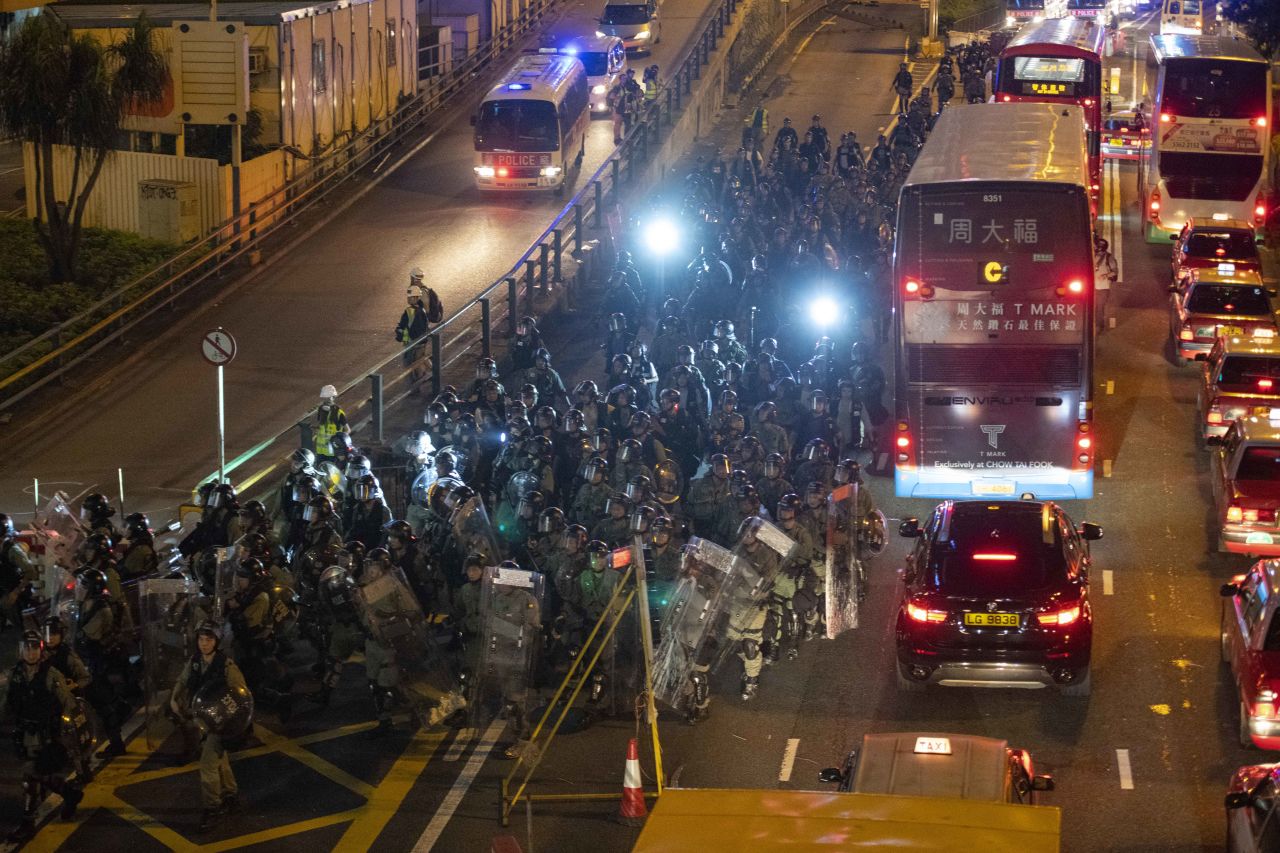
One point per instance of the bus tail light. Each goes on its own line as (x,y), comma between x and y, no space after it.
(910,287)
(1074,287)
(902,444)
(1260,121)
(1006,98)
(1259,212)
(1165,118)
(1084,445)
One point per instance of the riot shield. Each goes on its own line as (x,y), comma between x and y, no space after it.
(472,532)
(331,480)
(58,534)
(79,737)
(222,710)
(394,619)
(170,610)
(843,569)
(760,552)
(693,627)
(223,583)
(64,600)
(511,603)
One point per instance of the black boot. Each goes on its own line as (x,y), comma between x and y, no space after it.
(25,831)
(208,820)
(71,797)
(115,745)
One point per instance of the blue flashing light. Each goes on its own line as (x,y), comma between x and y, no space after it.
(518,87)
(571,50)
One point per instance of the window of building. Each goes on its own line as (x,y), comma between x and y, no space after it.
(391,42)
(319,68)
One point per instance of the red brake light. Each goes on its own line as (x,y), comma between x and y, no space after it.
(1155,202)
(1260,211)
(503,172)
(1075,286)
(1260,121)
(1166,117)
(911,286)
(995,557)
(1088,102)
(1006,98)
(1265,384)
(1060,618)
(1084,442)
(922,614)
(904,441)
(1219,251)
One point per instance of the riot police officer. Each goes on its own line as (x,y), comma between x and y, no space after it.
(99,644)
(250,612)
(37,700)
(138,552)
(219,793)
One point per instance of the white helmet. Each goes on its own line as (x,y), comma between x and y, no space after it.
(328,392)
(415,290)
(417,274)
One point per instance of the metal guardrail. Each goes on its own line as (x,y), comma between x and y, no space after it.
(992,18)
(50,355)
(471,328)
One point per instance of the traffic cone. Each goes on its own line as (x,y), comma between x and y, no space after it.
(632,812)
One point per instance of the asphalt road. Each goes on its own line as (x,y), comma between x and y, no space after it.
(316,317)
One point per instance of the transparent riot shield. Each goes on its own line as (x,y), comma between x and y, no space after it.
(170,613)
(64,599)
(518,486)
(472,532)
(843,585)
(331,480)
(694,624)
(394,619)
(223,583)
(511,603)
(58,537)
(760,552)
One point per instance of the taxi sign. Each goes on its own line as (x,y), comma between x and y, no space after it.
(933,746)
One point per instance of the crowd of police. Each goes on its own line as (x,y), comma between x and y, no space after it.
(735,477)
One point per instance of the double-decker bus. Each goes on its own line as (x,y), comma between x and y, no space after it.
(531,129)
(1209,141)
(1059,62)
(993,301)
(1022,11)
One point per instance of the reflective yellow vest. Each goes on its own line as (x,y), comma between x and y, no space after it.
(326,428)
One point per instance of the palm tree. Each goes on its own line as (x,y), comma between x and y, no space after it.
(62,88)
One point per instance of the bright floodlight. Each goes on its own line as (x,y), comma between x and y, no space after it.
(823,311)
(661,237)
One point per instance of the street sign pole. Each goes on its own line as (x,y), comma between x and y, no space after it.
(218,348)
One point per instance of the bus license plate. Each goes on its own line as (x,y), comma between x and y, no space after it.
(993,488)
(991,620)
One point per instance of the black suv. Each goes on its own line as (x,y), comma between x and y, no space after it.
(996,594)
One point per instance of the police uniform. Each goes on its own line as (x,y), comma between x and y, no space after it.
(588,504)
(747,620)
(217,782)
(36,701)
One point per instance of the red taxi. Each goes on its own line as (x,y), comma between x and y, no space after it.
(1245,474)
(1253,809)
(1251,646)
(1240,376)
(1124,137)
(1215,242)
(1207,303)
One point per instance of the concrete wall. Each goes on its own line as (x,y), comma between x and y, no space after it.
(259,178)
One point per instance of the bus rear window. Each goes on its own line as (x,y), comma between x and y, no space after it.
(1247,372)
(1213,88)
(625,14)
(1259,464)
(1197,175)
(1229,299)
(511,125)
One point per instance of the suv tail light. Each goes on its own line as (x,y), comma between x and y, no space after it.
(1061,617)
(920,613)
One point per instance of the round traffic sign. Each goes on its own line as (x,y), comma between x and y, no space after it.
(218,347)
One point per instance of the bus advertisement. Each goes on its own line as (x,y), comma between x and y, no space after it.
(531,129)
(1209,141)
(993,308)
(1059,62)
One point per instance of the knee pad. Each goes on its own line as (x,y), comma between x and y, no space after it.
(750,649)
(701,687)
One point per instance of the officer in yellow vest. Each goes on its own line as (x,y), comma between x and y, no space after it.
(651,84)
(330,420)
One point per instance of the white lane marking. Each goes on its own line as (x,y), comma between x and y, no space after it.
(1108,582)
(461,741)
(788,759)
(453,799)
(1126,772)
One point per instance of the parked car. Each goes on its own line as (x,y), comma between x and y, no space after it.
(1253,819)
(1226,243)
(1245,475)
(1240,377)
(1251,647)
(1206,303)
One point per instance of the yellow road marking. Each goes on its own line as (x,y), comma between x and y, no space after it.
(390,793)
(809,38)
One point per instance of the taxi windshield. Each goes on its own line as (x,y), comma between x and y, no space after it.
(996,554)
(596,62)
(1229,299)
(1259,464)
(1249,370)
(1222,244)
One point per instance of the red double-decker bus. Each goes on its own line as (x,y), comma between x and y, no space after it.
(1059,62)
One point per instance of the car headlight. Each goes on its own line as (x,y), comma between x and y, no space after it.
(598,89)
(600,35)
(550,171)
(484,171)
(642,35)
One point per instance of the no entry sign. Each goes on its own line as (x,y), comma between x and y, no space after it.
(218,347)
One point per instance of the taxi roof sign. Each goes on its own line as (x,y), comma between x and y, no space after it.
(933,746)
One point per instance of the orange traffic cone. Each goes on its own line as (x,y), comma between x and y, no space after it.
(633,811)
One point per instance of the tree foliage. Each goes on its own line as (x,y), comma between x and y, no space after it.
(1260,20)
(58,87)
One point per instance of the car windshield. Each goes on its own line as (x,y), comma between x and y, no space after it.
(1222,244)
(1259,464)
(625,14)
(1250,371)
(511,125)
(596,62)
(1229,299)
(999,552)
